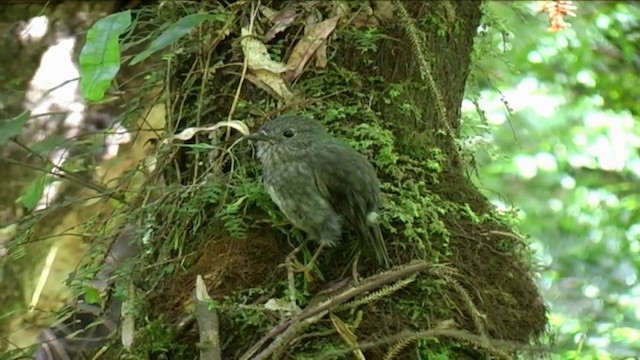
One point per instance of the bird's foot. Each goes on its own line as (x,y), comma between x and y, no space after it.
(306,269)
(294,266)
(291,263)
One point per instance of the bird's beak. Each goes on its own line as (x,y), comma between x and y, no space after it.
(257,136)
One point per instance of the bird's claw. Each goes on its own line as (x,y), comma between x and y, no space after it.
(294,266)
(298,267)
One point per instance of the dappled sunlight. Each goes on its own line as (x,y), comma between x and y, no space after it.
(570,138)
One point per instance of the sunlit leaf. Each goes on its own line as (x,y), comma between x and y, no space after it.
(177,30)
(33,193)
(100,55)
(568,165)
(347,335)
(12,127)
(92,295)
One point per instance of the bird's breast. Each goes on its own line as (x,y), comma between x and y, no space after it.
(292,188)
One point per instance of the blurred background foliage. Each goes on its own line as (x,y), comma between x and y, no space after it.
(552,116)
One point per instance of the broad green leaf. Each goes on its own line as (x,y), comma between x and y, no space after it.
(13,127)
(33,193)
(100,55)
(177,30)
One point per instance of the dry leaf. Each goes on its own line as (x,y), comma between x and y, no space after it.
(280,23)
(275,83)
(342,9)
(365,18)
(266,70)
(190,132)
(383,11)
(268,12)
(257,55)
(321,56)
(347,335)
(315,35)
(281,305)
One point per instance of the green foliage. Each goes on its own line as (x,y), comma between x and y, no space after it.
(434,350)
(100,56)
(241,316)
(562,108)
(232,220)
(368,138)
(366,41)
(174,32)
(34,191)
(12,127)
(155,338)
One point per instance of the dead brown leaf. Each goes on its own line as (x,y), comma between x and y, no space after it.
(315,35)
(321,56)
(268,12)
(281,22)
(383,11)
(365,18)
(342,9)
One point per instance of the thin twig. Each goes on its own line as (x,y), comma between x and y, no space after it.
(208,323)
(245,65)
(289,327)
(63,174)
(464,335)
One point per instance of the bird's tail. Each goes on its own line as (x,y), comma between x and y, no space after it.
(379,246)
(377,241)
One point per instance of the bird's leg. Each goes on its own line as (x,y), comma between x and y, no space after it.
(355,276)
(306,269)
(291,263)
(354,269)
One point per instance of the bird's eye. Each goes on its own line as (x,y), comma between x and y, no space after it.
(288,133)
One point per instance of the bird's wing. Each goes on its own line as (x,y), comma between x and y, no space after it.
(347,181)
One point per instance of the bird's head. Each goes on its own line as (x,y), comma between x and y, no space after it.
(287,136)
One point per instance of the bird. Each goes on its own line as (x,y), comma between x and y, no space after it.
(319,183)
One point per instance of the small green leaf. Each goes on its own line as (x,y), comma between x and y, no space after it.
(92,295)
(12,127)
(177,30)
(100,55)
(33,193)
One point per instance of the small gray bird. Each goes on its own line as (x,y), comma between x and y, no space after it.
(319,183)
